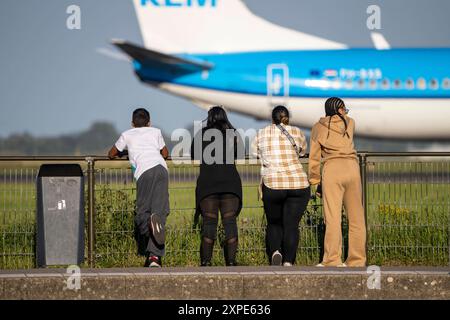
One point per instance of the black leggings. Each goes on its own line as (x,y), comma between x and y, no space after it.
(228,204)
(284,210)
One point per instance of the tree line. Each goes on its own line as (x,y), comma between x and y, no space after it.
(96,140)
(100,136)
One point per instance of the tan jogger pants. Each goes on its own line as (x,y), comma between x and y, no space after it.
(341,184)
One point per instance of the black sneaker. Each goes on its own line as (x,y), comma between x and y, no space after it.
(205,264)
(277,258)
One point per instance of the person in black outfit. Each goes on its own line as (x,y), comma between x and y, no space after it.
(219,186)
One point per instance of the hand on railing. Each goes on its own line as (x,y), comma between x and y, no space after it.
(316,191)
(115,153)
(123,153)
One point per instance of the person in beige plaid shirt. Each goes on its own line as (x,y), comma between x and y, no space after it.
(285,187)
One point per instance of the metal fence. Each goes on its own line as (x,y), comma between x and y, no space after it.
(406,201)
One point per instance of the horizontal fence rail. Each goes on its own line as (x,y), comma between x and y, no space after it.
(406,200)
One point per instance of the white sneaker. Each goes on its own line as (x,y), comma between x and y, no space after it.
(155,265)
(287,264)
(152,262)
(342,265)
(277,258)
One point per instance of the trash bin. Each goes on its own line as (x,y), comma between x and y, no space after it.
(60,215)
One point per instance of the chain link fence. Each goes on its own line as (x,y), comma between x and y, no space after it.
(407,203)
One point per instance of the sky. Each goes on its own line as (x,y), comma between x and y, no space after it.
(54,80)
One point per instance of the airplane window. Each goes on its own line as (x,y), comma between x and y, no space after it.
(385,84)
(421,84)
(397,84)
(446,83)
(434,84)
(349,83)
(410,83)
(336,84)
(361,83)
(373,84)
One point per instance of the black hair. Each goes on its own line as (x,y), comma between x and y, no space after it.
(141,118)
(217,119)
(280,114)
(332,105)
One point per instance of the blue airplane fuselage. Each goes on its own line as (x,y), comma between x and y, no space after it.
(359,73)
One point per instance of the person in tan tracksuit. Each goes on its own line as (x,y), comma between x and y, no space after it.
(332,140)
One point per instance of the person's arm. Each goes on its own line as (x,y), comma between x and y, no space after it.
(314,159)
(162,146)
(239,146)
(192,149)
(197,146)
(164,152)
(352,128)
(254,150)
(303,144)
(113,153)
(118,149)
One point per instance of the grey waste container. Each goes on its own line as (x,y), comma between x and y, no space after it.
(60,215)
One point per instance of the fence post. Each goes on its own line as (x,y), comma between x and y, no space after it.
(363,170)
(91,208)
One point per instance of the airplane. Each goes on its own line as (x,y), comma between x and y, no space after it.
(217,52)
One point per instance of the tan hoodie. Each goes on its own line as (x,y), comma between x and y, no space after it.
(338,144)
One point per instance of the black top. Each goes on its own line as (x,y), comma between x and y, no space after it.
(218,173)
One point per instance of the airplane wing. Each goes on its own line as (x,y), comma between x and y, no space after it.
(158,60)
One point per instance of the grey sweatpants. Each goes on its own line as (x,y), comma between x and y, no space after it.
(152,197)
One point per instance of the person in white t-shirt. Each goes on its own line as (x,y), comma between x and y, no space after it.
(147,153)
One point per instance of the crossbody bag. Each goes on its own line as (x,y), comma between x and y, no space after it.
(298,150)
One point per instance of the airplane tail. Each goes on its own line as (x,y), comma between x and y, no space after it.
(216,26)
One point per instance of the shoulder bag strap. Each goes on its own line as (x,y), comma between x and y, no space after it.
(291,139)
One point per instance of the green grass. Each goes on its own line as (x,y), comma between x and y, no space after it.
(408,224)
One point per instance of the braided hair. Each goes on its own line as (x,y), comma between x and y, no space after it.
(332,105)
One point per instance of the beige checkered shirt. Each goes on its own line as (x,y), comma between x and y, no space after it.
(280,167)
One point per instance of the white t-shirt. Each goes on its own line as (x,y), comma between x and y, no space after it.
(144,148)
